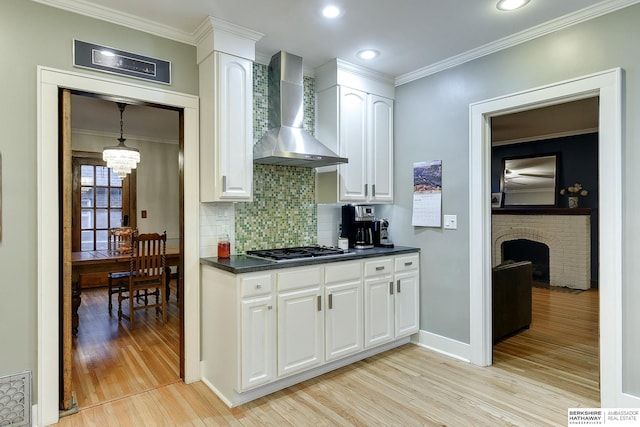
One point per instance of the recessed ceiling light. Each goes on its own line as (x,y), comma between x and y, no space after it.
(368,54)
(511,4)
(331,12)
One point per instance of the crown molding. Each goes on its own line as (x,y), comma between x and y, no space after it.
(549,27)
(91,10)
(211,23)
(363,71)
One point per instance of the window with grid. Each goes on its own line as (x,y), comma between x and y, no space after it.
(101,203)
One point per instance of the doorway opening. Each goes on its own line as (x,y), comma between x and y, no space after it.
(607,87)
(562,334)
(50,267)
(108,359)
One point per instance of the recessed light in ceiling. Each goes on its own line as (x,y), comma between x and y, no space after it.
(368,54)
(331,12)
(511,4)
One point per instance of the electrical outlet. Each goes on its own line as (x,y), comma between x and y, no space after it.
(451,222)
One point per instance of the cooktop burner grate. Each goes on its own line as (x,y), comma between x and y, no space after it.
(286,254)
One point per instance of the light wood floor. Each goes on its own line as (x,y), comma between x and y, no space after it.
(536,376)
(110,361)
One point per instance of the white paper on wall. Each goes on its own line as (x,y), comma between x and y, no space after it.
(427,194)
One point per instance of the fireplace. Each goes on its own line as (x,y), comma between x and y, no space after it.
(529,250)
(565,232)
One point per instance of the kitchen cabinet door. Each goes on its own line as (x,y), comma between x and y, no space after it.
(353,145)
(300,330)
(226,127)
(343,319)
(378,310)
(258,342)
(380,149)
(407,310)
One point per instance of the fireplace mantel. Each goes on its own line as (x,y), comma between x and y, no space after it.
(540,211)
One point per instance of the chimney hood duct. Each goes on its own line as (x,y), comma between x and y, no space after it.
(286,142)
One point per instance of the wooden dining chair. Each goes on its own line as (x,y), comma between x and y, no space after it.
(147,276)
(119,243)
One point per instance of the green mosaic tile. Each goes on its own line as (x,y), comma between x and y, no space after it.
(283,212)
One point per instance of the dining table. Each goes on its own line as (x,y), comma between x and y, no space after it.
(105,261)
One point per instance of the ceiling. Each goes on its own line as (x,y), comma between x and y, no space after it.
(415,37)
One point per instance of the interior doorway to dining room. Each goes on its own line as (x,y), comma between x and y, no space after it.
(106,359)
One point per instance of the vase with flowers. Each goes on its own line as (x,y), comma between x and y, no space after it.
(573,193)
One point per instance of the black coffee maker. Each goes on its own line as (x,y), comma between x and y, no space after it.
(381,233)
(357,225)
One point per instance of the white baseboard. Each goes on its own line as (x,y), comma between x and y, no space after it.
(629,401)
(446,346)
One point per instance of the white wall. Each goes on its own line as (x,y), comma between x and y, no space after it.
(432,122)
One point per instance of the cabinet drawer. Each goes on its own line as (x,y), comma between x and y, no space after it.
(408,262)
(299,278)
(342,272)
(256,285)
(378,266)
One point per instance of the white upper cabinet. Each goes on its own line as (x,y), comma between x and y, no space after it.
(352,120)
(354,117)
(225,61)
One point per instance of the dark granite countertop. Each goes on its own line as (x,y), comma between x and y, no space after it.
(239,264)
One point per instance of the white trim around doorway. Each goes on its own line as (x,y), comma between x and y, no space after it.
(49,82)
(606,85)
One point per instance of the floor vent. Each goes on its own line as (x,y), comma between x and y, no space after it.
(15,400)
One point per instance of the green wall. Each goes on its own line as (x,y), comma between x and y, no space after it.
(32,34)
(432,122)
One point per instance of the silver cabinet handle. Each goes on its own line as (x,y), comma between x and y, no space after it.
(373,190)
(379,268)
(319,302)
(269,307)
(224,183)
(390,288)
(366,190)
(407,264)
(258,286)
(398,283)
(330,301)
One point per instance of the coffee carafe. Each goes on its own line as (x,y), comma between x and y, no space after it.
(357,225)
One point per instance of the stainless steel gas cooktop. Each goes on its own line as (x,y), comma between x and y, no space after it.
(296,253)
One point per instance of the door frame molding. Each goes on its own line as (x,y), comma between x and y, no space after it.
(49,81)
(607,85)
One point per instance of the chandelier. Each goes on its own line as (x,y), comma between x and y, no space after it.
(120,158)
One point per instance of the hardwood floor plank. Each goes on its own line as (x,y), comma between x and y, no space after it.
(536,376)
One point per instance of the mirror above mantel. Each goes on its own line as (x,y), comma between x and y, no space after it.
(531,180)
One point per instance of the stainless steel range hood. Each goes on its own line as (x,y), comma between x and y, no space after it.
(286,142)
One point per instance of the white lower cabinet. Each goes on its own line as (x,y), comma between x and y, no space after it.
(264,330)
(378,301)
(343,310)
(391,307)
(406,298)
(300,320)
(257,331)
(258,342)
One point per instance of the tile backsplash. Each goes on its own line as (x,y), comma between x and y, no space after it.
(283,211)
